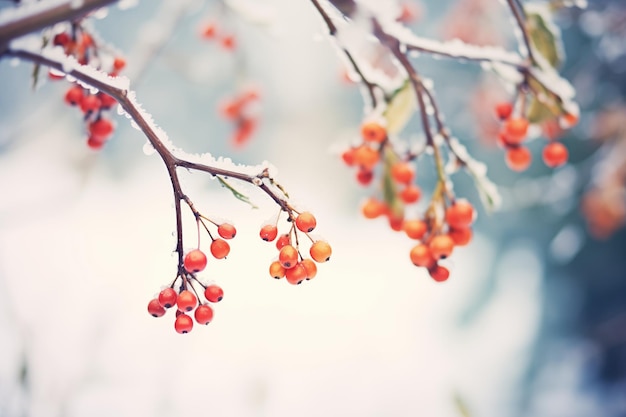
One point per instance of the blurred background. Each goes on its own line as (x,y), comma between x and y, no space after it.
(531,323)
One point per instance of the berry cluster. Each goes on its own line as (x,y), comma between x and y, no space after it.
(240,110)
(290,263)
(77,42)
(186,299)
(514,132)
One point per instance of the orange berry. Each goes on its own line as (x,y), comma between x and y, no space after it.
(366,157)
(569,120)
(348,156)
(555,154)
(441,246)
(283,240)
(439,273)
(402,172)
(373,208)
(305,222)
(226,230)
(410,194)
(461,236)
(220,248)
(516,129)
(195,261)
(296,275)
(504,110)
(311,268)
(268,232)
(373,132)
(415,229)
(518,158)
(320,251)
(420,256)
(288,256)
(460,214)
(276,270)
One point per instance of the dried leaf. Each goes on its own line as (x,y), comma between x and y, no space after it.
(238,195)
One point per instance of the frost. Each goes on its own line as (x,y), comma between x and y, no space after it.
(76,4)
(127,4)
(148,149)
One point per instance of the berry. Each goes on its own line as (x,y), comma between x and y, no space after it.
(373,208)
(288,256)
(515,130)
(74,95)
(226,230)
(297,274)
(155,308)
(231,109)
(168,297)
(441,246)
(101,128)
(415,229)
(569,120)
(186,301)
(214,293)
(276,270)
(195,261)
(245,129)
(119,63)
(183,324)
(348,157)
(518,158)
(311,268)
(420,256)
(209,31)
(364,176)
(95,142)
(395,221)
(504,110)
(106,100)
(305,222)
(203,314)
(61,39)
(439,273)
(283,241)
(460,214)
(373,132)
(320,251)
(90,103)
(366,157)
(228,42)
(268,232)
(461,237)
(220,248)
(555,154)
(410,194)
(402,172)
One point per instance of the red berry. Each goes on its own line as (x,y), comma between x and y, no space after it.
(209,31)
(186,301)
(101,128)
(214,293)
(411,194)
(296,275)
(461,237)
(555,154)
(441,246)
(231,109)
(283,241)
(439,273)
(220,248)
(268,232)
(106,100)
(402,172)
(515,130)
(504,110)
(119,63)
(95,142)
(195,261)
(460,214)
(518,158)
(569,120)
(183,324)
(228,42)
(305,222)
(276,270)
(203,314)
(155,309)
(61,39)
(395,221)
(320,251)
(364,176)
(373,132)
(226,230)
(74,95)
(90,103)
(168,297)
(288,256)
(348,157)
(311,268)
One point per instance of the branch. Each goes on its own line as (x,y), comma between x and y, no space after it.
(518,13)
(38,16)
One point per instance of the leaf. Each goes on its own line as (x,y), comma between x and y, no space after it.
(238,195)
(545,109)
(390,188)
(544,37)
(400,107)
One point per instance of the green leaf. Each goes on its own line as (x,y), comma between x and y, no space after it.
(390,188)
(238,195)
(400,107)
(544,38)
(547,108)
